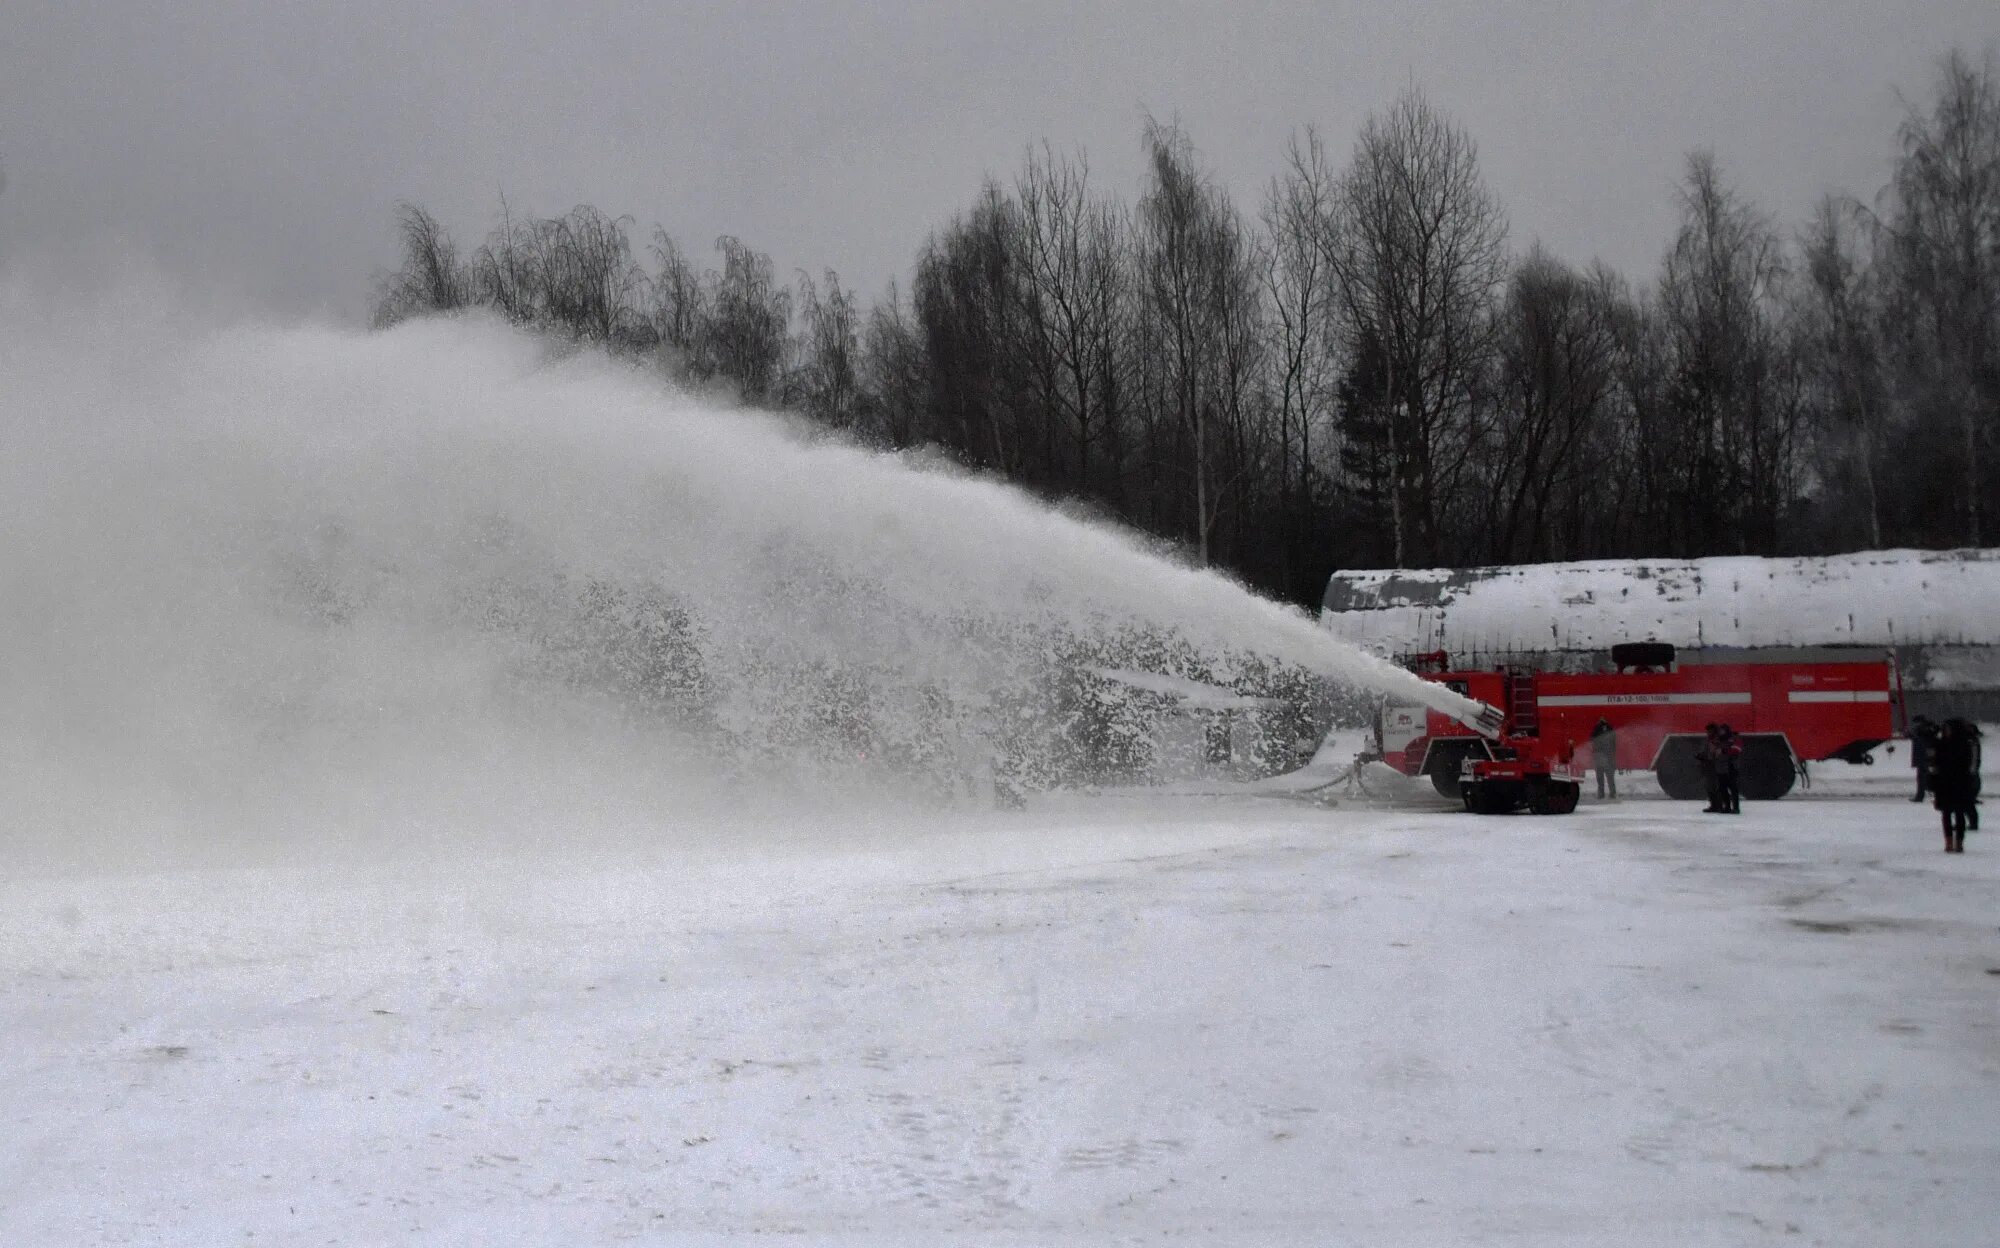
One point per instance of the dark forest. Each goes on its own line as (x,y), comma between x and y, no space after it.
(1362,369)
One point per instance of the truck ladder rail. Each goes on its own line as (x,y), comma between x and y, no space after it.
(1523,709)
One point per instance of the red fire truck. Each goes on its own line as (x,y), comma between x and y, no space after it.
(1787,714)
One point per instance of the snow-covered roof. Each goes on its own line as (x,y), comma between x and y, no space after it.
(1874,598)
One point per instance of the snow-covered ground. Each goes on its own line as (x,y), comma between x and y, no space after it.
(1244,1021)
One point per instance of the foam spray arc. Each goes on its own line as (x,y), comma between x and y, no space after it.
(442,573)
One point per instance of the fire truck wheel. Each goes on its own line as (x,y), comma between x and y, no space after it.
(1680,787)
(1679,775)
(1768,770)
(1446,786)
(1557,798)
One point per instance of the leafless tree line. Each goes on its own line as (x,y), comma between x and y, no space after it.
(1361,372)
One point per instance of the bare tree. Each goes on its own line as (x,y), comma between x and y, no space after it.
(896,383)
(1071,297)
(1944,245)
(1299,216)
(1720,295)
(967,309)
(826,383)
(586,274)
(431,277)
(1839,322)
(749,321)
(680,310)
(1419,257)
(1198,281)
(1557,347)
(500,269)
(572,274)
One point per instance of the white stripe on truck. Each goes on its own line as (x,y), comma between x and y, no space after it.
(1839,695)
(1645,699)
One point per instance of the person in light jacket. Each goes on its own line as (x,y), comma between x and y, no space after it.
(1604,757)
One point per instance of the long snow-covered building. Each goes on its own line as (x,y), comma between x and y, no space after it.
(1937,611)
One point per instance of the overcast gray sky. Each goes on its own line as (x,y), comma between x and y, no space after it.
(259,148)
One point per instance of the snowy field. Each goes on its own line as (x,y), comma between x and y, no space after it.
(1240,1021)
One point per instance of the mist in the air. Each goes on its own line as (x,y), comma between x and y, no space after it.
(267,588)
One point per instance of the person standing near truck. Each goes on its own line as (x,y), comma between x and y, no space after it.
(1721,762)
(1708,758)
(1729,771)
(1955,780)
(1923,742)
(1604,757)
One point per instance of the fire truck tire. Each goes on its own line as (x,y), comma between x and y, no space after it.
(1658,655)
(1677,771)
(1681,787)
(1486,799)
(1767,770)
(1558,797)
(1444,762)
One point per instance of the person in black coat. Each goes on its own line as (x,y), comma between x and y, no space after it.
(1954,776)
(1729,770)
(1705,757)
(1923,740)
(1604,757)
